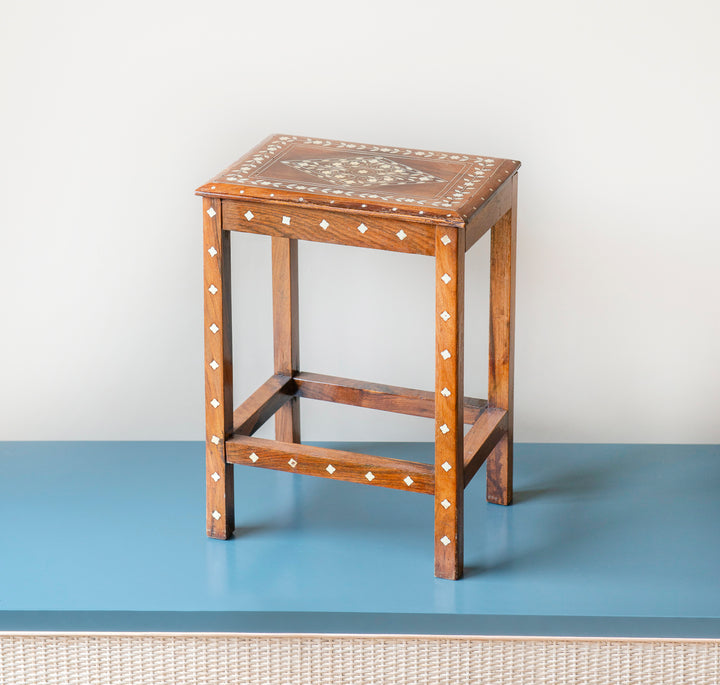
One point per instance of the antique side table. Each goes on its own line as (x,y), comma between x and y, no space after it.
(428,203)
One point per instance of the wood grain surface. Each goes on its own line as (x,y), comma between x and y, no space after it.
(489,213)
(378,396)
(269,398)
(502,344)
(488,430)
(449,330)
(437,187)
(359,229)
(330,463)
(286,343)
(218,372)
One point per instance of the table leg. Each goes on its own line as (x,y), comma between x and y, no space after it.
(218,371)
(502,334)
(449,481)
(285,330)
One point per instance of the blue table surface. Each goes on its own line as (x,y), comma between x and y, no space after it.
(601,540)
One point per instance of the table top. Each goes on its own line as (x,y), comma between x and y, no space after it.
(437,186)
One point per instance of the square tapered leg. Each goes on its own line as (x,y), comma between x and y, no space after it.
(502,335)
(218,372)
(285,331)
(449,479)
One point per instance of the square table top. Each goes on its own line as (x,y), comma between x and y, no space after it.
(439,186)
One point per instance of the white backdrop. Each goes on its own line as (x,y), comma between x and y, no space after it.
(112,114)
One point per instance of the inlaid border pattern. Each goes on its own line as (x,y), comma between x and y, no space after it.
(480,170)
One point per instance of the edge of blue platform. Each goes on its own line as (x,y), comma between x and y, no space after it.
(671,547)
(358,623)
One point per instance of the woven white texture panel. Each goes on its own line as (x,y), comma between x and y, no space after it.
(187,659)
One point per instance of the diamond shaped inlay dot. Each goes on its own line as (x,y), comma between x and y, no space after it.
(249,215)
(445,503)
(324,224)
(408,481)
(214,328)
(445,354)
(446,466)
(216,514)
(215,440)
(445,540)
(215,476)
(330,469)
(444,316)
(214,365)
(292,463)
(444,429)
(445,392)
(362,228)
(253,457)
(215,403)
(286,220)
(212,289)
(401,234)
(212,251)
(445,239)
(445,278)
(370,475)
(211,212)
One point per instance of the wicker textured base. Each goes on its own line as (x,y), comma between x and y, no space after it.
(219,659)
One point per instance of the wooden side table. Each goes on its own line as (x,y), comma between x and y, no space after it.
(428,203)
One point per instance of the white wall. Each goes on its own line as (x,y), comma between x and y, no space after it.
(112,113)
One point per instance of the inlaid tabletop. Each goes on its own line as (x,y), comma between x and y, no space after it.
(422,184)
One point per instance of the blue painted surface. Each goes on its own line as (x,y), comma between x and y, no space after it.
(600,536)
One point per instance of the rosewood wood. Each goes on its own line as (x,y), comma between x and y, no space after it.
(220,514)
(359,229)
(489,214)
(488,430)
(392,398)
(285,330)
(274,394)
(449,480)
(502,345)
(437,204)
(425,185)
(329,463)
